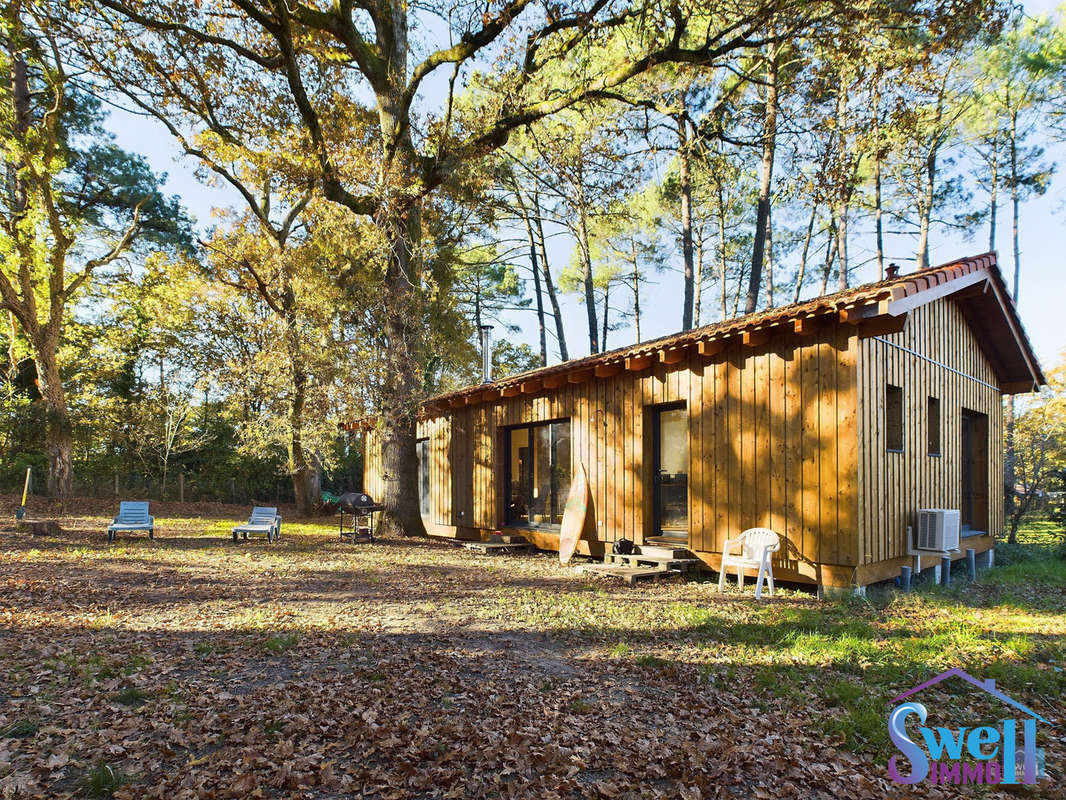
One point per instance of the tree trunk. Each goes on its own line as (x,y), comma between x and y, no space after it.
(59,438)
(845,188)
(401,391)
(606,313)
(549,284)
(587,282)
(769,259)
(535,267)
(762,215)
(879,231)
(723,262)
(926,210)
(1009,477)
(1015,200)
(993,200)
(1010,453)
(636,287)
(683,157)
(698,299)
(802,275)
(304,476)
(541,333)
(830,255)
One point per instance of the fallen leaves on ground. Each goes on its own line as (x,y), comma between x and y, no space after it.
(190,667)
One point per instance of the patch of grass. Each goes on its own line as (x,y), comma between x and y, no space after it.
(620,650)
(104,780)
(279,644)
(860,728)
(204,648)
(130,696)
(843,692)
(651,660)
(578,706)
(20,729)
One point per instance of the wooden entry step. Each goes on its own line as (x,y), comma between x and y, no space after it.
(660,561)
(629,574)
(674,551)
(496,548)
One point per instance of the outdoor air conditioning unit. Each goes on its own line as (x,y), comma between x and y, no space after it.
(938,529)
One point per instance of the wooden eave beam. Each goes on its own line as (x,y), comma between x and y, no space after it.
(673,355)
(608,370)
(755,338)
(858,314)
(511,391)
(806,326)
(458,402)
(709,348)
(488,395)
(882,325)
(639,363)
(556,381)
(580,376)
(532,386)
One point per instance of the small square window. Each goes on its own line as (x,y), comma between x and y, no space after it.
(932,421)
(894,418)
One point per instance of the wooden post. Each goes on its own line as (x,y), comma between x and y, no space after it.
(181,487)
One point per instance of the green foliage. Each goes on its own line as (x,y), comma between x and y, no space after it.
(103,780)
(20,729)
(130,696)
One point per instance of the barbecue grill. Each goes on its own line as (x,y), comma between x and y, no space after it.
(361,509)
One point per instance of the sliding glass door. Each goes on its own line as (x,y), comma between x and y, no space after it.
(538,473)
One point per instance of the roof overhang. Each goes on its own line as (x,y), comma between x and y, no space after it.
(875,310)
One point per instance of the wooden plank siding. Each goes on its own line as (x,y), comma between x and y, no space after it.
(936,355)
(756,415)
(788,435)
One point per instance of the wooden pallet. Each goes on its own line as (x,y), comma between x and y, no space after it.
(496,548)
(629,574)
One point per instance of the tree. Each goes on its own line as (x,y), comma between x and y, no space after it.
(323,61)
(1040,446)
(294,265)
(1013,87)
(75,204)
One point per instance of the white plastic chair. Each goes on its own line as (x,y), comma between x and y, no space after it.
(757,546)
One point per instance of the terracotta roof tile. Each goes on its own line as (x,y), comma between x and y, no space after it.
(851,298)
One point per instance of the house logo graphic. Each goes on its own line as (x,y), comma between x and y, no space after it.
(985,754)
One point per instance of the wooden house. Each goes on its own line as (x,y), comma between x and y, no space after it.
(831,421)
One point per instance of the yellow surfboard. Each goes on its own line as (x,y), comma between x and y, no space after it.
(574,516)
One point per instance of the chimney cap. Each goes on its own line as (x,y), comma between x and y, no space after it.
(892,272)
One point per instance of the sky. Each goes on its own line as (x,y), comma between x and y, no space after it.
(1042,226)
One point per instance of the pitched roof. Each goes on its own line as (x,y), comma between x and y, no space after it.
(986,305)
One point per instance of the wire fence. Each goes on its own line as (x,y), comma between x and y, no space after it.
(182,487)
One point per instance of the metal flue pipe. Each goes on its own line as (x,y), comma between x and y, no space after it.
(486,354)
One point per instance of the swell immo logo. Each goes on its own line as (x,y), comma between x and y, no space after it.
(990,754)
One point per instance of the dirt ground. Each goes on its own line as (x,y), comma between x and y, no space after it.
(193,667)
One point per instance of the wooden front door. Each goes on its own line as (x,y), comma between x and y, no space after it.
(974,468)
(670,472)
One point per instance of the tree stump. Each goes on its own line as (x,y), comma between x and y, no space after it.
(39,527)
